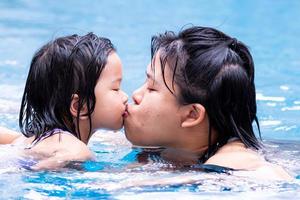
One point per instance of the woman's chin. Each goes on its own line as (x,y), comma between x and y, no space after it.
(132,138)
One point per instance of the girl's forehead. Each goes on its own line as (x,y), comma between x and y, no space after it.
(114,59)
(113,69)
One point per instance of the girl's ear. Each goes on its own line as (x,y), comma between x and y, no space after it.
(75,106)
(192,115)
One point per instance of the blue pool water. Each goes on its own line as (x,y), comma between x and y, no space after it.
(270,28)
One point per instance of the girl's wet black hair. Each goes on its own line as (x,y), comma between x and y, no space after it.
(61,68)
(216,71)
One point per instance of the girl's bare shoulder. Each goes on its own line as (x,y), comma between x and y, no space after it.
(58,150)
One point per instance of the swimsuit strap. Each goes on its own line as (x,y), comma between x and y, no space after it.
(213,168)
(47,134)
(207,155)
(232,139)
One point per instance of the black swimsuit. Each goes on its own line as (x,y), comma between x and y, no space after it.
(155,156)
(212,168)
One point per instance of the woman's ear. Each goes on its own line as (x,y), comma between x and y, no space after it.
(75,106)
(193,115)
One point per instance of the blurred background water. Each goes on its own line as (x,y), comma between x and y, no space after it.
(270,28)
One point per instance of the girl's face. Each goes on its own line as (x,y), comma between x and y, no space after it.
(110,107)
(154,119)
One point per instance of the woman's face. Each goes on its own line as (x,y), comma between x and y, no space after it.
(153,119)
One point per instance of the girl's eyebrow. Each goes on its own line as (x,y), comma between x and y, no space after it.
(117,79)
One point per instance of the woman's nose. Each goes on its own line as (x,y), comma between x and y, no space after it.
(137,95)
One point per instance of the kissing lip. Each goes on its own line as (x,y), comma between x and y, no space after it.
(126,113)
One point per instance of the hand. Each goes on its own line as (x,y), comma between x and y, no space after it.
(7,136)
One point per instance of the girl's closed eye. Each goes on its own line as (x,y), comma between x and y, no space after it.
(116,87)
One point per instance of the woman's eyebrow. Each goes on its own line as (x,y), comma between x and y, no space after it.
(149,76)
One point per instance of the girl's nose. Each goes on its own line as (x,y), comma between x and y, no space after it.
(125,97)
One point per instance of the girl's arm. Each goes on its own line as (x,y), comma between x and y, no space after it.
(7,136)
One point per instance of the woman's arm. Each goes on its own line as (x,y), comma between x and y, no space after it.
(7,136)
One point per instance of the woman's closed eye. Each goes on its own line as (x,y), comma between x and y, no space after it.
(150,89)
(151,86)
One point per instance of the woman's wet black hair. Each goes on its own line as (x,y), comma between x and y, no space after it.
(63,67)
(216,71)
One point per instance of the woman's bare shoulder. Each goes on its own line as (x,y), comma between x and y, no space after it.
(235,155)
(247,161)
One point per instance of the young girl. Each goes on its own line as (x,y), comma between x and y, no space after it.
(72,89)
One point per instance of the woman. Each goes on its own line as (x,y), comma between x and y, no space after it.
(198,101)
